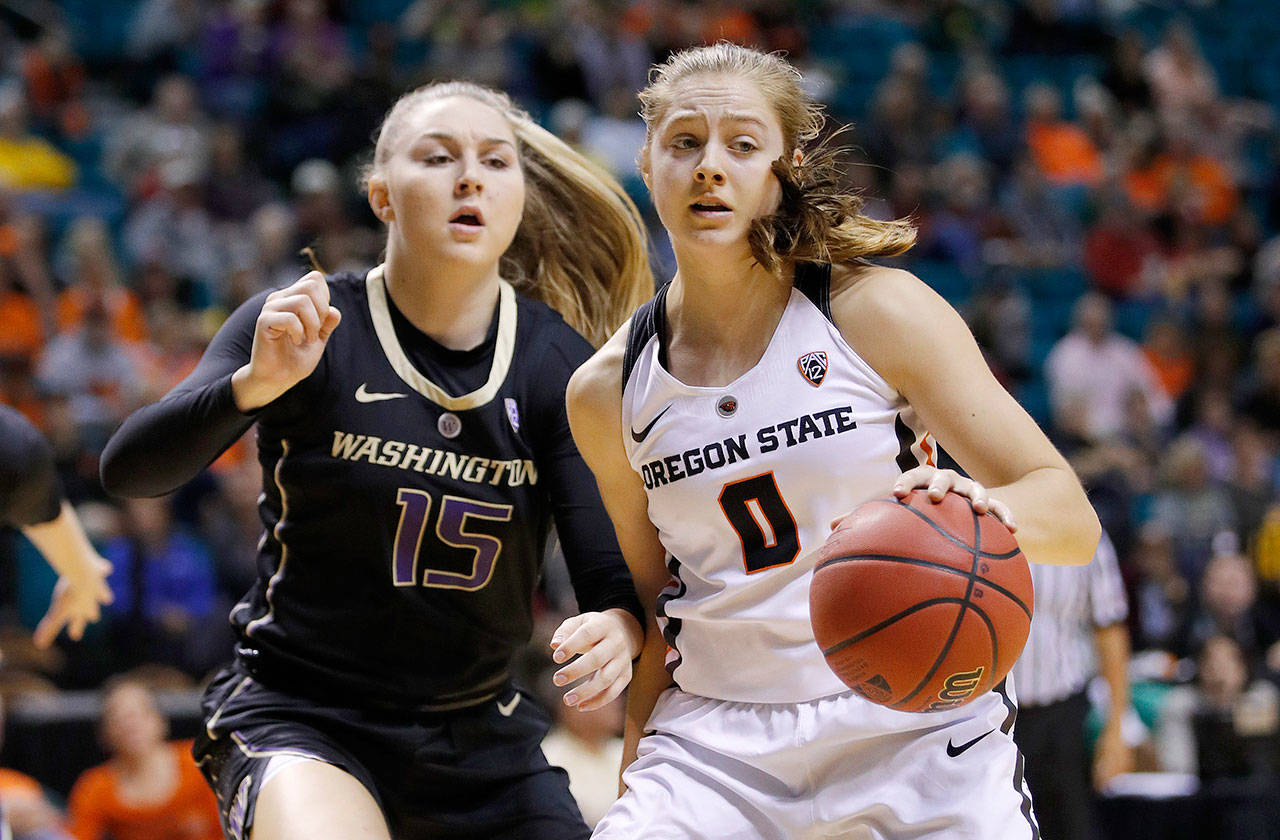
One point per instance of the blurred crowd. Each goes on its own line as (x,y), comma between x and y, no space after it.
(1095,184)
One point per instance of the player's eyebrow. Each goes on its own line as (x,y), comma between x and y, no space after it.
(735,117)
(447,137)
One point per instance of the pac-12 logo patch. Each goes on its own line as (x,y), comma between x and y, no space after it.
(813,366)
(513,413)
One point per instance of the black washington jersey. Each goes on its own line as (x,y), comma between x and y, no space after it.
(404,526)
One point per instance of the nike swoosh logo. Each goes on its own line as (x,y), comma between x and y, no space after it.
(365,396)
(505,709)
(639,436)
(953,750)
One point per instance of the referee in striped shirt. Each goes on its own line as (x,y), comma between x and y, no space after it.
(1078,631)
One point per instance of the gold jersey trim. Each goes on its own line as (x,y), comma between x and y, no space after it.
(503,350)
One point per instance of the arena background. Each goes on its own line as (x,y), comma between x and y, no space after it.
(1073,165)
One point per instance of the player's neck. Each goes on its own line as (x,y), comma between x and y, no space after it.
(726,295)
(722,320)
(449,301)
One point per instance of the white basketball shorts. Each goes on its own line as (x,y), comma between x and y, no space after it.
(828,768)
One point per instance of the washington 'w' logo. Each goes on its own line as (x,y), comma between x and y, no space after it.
(813,366)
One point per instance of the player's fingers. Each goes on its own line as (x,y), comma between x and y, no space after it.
(592,689)
(330,324)
(104,595)
(51,625)
(580,667)
(605,697)
(977,495)
(75,629)
(584,638)
(305,309)
(911,479)
(1002,512)
(564,631)
(940,483)
(277,325)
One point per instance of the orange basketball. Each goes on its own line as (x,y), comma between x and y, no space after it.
(920,606)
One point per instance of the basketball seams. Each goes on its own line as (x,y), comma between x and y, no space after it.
(947,535)
(931,564)
(871,631)
(976,549)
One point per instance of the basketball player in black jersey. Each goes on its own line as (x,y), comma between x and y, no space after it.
(414,447)
(31,500)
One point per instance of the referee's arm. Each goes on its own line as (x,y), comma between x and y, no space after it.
(1112,755)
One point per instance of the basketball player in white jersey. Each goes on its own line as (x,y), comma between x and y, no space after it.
(779,381)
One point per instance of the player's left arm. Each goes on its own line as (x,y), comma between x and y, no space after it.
(598,645)
(923,349)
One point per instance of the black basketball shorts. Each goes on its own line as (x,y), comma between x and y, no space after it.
(471,773)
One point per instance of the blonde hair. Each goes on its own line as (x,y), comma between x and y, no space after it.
(581,246)
(818,219)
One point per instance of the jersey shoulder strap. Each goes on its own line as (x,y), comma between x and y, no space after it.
(647,321)
(814,282)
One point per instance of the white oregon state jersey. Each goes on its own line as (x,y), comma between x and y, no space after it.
(743,482)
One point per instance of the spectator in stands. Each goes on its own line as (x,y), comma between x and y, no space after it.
(1228,606)
(150,789)
(1224,688)
(1121,253)
(1161,595)
(25,809)
(167,608)
(171,131)
(1062,150)
(1182,82)
(1125,75)
(985,117)
(1097,367)
(27,161)
(1181,179)
(1261,401)
(172,227)
(94,371)
(54,78)
(1166,351)
(93,277)
(1191,507)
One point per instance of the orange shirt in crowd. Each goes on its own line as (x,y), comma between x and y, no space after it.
(127,318)
(1064,153)
(23,333)
(95,812)
(1175,374)
(13,783)
(1210,185)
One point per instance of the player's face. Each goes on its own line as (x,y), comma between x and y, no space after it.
(452,182)
(708,161)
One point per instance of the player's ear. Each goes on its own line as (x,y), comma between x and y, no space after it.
(797,157)
(380,199)
(646,173)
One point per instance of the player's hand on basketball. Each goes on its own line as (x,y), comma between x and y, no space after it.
(77,602)
(292,331)
(938,483)
(604,643)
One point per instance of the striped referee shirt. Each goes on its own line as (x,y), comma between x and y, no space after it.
(1070,603)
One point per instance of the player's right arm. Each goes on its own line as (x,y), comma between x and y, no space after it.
(269,344)
(594,400)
